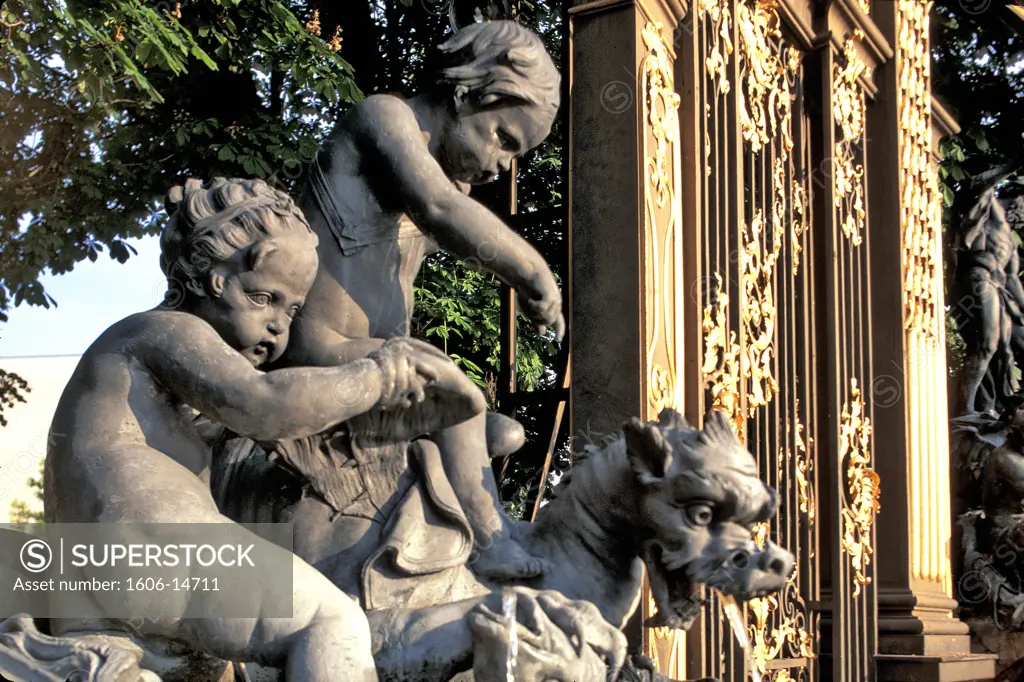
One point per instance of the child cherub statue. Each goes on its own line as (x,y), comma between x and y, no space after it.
(245,258)
(390,188)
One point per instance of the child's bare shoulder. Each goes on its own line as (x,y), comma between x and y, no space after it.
(159,330)
(168,320)
(383,112)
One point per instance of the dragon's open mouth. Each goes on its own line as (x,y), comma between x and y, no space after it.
(674,583)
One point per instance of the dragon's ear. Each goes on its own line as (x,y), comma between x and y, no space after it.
(718,430)
(650,455)
(670,419)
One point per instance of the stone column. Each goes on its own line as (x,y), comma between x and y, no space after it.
(625,240)
(918,637)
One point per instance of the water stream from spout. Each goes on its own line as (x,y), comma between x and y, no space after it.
(508,604)
(739,629)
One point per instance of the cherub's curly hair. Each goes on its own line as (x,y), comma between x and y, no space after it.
(498,60)
(210,223)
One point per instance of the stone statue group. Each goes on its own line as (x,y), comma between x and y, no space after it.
(278,383)
(988,426)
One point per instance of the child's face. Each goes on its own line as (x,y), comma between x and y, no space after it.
(257,301)
(479,144)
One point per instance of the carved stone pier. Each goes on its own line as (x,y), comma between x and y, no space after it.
(626,251)
(918,637)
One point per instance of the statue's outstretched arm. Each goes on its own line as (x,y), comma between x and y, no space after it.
(188,356)
(972,228)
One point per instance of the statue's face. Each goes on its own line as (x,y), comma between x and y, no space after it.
(701,500)
(254,297)
(479,143)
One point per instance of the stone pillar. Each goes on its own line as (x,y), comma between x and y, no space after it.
(918,637)
(625,238)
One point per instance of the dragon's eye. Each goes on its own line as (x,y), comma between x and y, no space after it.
(700,514)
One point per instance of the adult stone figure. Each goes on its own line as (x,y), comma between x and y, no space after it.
(988,277)
(993,531)
(390,188)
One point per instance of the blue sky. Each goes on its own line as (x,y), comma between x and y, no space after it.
(89,299)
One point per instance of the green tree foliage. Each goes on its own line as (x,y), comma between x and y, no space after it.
(12,390)
(978,59)
(107,103)
(20,511)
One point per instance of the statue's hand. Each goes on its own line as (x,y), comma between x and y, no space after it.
(408,366)
(541,301)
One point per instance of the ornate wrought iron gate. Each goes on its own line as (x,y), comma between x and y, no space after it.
(773,132)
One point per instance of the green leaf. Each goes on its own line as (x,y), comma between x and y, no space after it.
(201,55)
(250,165)
(143,50)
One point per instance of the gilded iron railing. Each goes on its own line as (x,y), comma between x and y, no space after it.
(849,630)
(783,282)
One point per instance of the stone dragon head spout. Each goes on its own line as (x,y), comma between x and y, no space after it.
(700,499)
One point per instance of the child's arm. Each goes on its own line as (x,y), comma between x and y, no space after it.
(392,147)
(191,360)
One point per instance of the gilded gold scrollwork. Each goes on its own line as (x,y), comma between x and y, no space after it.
(661,393)
(804,465)
(739,372)
(863,486)
(661,114)
(849,112)
(766,100)
(707,145)
(799,226)
(789,639)
(662,108)
(721,48)
(778,623)
(918,181)
(758,312)
(721,369)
